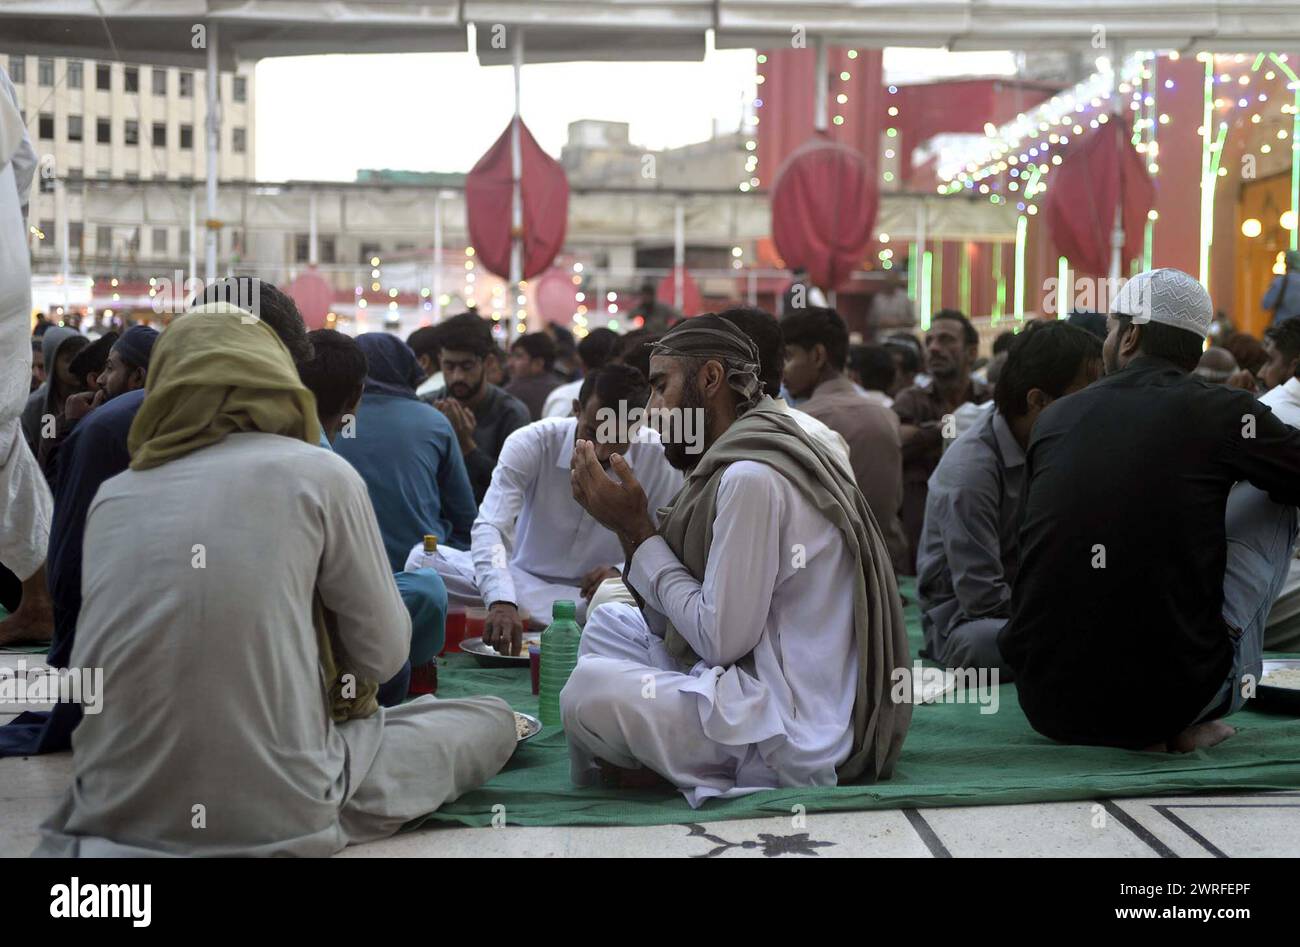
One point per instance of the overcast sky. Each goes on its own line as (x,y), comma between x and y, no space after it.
(325,117)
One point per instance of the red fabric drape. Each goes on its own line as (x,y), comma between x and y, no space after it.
(691,297)
(1097,171)
(545,190)
(823,209)
(314,297)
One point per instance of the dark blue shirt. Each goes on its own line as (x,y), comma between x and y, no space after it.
(95,451)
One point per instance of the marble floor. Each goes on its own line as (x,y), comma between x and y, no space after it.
(1218,826)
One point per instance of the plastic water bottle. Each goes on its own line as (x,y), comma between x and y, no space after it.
(426,557)
(558,659)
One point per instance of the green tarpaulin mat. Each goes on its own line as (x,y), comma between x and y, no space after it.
(953,756)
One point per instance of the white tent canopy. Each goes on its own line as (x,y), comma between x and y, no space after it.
(635,30)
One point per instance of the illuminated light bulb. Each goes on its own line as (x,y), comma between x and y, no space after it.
(392,294)
(1254,119)
(844,77)
(1032,209)
(888,176)
(1153,168)
(611,297)
(889,152)
(891,132)
(884,238)
(1265,148)
(612,308)
(838,120)
(1164,119)
(893,110)
(736,251)
(374,287)
(1223,172)
(853,54)
(841,98)
(424,292)
(113,281)
(579,297)
(469,251)
(1281,134)
(392,306)
(1287,220)
(1250,227)
(469,278)
(1244,80)
(1242,103)
(361,304)
(521,299)
(374,261)
(577,267)
(760,79)
(751,145)
(744,186)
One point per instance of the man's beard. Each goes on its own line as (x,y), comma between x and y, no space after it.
(676,453)
(463,392)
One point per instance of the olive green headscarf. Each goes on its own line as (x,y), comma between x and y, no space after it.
(216,371)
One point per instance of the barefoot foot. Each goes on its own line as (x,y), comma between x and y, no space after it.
(1201,735)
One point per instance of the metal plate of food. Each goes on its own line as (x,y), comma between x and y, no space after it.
(489,657)
(526,727)
(1279,686)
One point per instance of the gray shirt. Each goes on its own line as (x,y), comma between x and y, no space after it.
(969,551)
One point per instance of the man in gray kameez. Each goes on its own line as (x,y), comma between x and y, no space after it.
(217,732)
(970,551)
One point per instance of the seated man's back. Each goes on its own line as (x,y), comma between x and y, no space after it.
(407,454)
(1117,634)
(213,693)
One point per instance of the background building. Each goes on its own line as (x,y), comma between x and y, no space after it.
(93,121)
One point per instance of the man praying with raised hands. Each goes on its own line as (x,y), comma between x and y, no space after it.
(771,623)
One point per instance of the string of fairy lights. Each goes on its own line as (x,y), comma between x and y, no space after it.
(1014,164)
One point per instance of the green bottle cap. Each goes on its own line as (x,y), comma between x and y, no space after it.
(563,608)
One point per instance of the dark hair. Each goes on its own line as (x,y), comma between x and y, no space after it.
(766,334)
(562,337)
(335,372)
(1285,337)
(969,334)
(615,383)
(93,357)
(273,307)
(1003,342)
(1046,355)
(1247,350)
(636,349)
(874,365)
(907,354)
(537,345)
(1093,322)
(424,341)
(818,325)
(599,346)
(465,332)
(1176,345)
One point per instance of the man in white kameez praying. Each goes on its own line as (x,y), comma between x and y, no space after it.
(241,646)
(770,627)
(531,544)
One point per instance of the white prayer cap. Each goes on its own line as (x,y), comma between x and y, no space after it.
(1166,295)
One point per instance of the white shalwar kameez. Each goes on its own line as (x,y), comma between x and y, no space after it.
(770,702)
(28,506)
(532,543)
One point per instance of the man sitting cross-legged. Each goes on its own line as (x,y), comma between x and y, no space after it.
(531,544)
(970,543)
(771,623)
(241,644)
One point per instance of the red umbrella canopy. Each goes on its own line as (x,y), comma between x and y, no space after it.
(823,209)
(545,190)
(314,296)
(556,296)
(692,299)
(1097,171)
